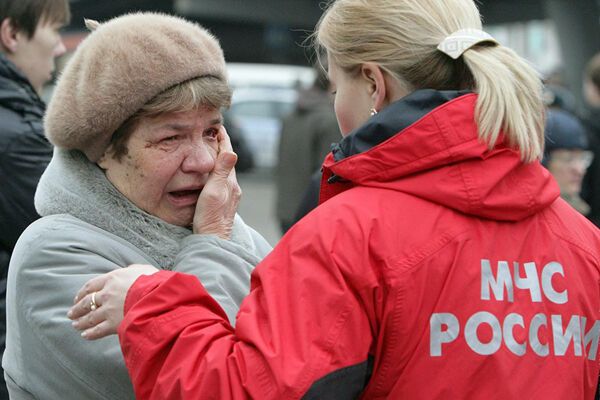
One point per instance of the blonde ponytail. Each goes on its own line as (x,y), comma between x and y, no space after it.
(402,36)
(510,99)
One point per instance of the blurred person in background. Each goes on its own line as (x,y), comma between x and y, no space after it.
(29,43)
(591,91)
(306,137)
(557,93)
(136,121)
(567,156)
(437,264)
(245,160)
(556,96)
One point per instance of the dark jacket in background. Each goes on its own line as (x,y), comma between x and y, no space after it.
(306,138)
(591,182)
(24,154)
(245,161)
(310,198)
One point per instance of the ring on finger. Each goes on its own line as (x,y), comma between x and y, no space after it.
(93,305)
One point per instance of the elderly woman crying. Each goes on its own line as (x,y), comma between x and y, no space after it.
(136,121)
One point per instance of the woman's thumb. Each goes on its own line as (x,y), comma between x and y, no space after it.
(225,163)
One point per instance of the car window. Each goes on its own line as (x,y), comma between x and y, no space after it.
(265,109)
(283,109)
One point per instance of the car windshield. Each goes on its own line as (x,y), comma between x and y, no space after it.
(261,109)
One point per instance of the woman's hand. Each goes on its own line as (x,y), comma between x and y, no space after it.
(98,308)
(221,195)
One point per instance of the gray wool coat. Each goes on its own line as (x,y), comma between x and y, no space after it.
(45,357)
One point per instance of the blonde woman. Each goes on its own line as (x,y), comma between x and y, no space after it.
(441,264)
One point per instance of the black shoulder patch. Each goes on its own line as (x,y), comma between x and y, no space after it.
(345,383)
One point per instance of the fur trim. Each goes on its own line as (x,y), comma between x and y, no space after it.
(118,68)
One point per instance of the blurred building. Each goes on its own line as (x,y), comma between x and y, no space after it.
(552,34)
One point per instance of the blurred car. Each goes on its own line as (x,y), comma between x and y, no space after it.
(262,96)
(258,112)
(269,75)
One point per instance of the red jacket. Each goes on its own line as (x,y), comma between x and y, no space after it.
(434,269)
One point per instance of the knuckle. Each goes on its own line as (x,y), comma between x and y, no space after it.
(213,195)
(237,193)
(101,298)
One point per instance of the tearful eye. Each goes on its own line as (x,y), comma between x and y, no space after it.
(169,139)
(211,133)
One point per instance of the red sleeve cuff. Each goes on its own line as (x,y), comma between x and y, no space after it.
(144,285)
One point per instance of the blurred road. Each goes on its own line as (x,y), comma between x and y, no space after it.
(257,207)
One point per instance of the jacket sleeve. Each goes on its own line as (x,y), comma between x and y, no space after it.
(44,352)
(304,331)
(224,266)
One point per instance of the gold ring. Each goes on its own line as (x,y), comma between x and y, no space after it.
(93,304)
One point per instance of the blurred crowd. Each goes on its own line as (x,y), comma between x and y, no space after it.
(572,141)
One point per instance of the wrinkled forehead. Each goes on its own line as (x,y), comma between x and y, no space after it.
(184,120)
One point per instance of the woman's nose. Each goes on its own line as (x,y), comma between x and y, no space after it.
(200,158)
(60,49)
(578,167)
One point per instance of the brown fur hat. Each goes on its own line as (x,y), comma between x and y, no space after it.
(118,68)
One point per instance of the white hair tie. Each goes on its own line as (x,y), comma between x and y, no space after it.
(462,40)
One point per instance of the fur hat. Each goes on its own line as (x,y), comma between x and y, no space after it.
(564,131)
(118,68)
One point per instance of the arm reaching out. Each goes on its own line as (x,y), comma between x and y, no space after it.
(98,308)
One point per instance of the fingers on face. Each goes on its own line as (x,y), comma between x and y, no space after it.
(223,135)
(224,141)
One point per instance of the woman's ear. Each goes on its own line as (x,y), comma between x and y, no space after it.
(106,159)
(377,84)
(8,36)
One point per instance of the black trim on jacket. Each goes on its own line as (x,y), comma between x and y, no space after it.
(344,383)
(392,120)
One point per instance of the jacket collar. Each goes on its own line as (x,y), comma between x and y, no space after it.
(391,120)
(16,93)
(427,145)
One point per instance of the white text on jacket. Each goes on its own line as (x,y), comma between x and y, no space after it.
(445,327)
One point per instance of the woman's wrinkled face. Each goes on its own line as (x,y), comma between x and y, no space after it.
(168,160)
(352,101)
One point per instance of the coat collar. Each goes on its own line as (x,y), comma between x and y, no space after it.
(391,120)
(427,145)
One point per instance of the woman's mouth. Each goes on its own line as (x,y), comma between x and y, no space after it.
(183,198)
